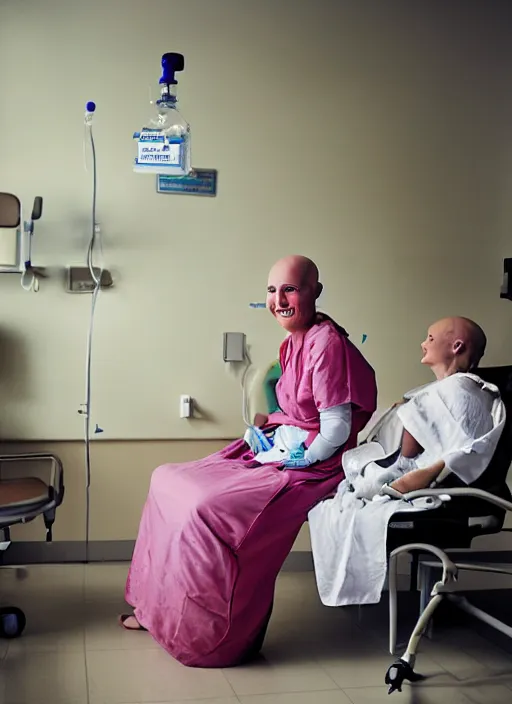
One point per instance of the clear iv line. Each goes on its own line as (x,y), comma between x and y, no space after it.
(94,240)
(245,409)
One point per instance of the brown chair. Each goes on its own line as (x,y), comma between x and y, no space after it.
(22,500)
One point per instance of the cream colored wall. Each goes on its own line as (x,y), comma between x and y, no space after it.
(374,137)
(120,478)
(119,483)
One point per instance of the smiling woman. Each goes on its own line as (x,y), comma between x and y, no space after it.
(215,532)
(292,292)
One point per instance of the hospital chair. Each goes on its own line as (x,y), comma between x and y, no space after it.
(22,500)
(466,513)
(469,513)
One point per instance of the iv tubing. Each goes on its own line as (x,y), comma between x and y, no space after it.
(245,408)
(95,240)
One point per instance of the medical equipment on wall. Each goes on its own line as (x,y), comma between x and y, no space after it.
(16,239)
(506,286)
(164,144)
(96,271)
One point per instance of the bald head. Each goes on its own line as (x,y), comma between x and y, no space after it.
(471,336)
(301,269)
(454,344)
(293,288)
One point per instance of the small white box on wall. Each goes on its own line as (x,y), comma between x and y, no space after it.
(234,347)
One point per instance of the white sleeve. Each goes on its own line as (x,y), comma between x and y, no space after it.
(335,426)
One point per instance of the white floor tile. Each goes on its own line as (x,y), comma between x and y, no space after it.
(124,676)
(73,646)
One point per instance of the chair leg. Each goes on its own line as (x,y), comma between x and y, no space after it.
(415,559)
(49,520)
(403,668)
(427,581)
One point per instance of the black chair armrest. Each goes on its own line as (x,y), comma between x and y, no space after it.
(467,492)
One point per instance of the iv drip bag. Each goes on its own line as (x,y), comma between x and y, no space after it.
(163,145)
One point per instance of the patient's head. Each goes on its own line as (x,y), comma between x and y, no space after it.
(453,345)
(292,291)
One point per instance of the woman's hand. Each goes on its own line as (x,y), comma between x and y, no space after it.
(260,419)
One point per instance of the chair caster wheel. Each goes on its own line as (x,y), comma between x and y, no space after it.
(397,673)
(12,622)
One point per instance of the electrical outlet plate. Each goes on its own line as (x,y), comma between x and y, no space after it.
(79,279)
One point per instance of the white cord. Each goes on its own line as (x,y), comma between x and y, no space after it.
(33,283)
(95,241)
(245,410)
(84,144)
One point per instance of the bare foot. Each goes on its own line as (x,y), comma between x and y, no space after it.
(130,623)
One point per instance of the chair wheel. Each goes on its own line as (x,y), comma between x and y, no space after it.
(12,622)
(397,673)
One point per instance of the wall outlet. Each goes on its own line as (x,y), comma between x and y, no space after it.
(185,406)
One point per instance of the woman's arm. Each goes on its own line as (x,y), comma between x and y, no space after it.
(418,478)
(335,426)
(410,447)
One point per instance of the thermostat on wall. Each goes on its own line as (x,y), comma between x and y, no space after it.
(234,347)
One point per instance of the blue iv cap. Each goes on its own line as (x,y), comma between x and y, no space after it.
(90,106)
(170,64)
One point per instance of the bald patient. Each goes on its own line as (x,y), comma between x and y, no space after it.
(292,291)
(215,532)
(443,433)
(452,345)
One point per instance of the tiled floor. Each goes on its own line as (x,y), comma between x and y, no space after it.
(73,652)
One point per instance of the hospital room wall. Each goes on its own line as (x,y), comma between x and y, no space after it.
(121,478)
(374,137)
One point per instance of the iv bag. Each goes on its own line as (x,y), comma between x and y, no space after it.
(164,143)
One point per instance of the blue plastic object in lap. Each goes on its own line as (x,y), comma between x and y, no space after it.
(298,453)
(299,463)
(257,440)
(297,459)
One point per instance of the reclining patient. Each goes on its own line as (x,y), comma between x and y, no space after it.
(215,532)
(450,426)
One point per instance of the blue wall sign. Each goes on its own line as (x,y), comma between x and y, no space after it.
(202,182)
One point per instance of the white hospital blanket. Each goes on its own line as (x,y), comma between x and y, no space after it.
(286,440)
(459,420)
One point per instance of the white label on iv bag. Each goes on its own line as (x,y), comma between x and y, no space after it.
(159,153)
(162,153)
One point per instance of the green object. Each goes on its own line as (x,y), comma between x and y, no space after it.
(269,385)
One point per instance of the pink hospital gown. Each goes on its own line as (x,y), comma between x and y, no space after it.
(215,532)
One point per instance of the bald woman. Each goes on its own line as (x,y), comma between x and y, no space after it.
(214,533)
(453,345)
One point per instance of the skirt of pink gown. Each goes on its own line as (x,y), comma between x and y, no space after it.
(213,536)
